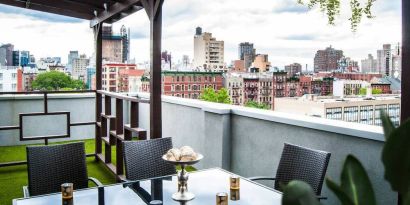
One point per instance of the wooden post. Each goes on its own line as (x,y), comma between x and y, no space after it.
(154,12)
(98,80)
(405,68)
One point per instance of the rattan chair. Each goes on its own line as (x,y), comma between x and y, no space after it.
(50,166)
(300,163)
(143,159)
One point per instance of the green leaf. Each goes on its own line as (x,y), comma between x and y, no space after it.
(396,158)
(355,182)
(299,193)
(337,190)
(388,126)
(406,200)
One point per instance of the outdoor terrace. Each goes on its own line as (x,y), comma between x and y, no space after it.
(243,140)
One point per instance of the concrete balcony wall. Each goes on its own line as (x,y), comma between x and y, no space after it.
(80,106)
(243,140)
(249,141)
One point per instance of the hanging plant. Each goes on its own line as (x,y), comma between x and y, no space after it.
(332,8)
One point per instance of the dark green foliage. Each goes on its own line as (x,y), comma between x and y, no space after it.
(396,156)
(221,96)
(355,188)
(55,80)
(299,193)
(254,104)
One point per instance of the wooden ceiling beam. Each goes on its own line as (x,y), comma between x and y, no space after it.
(113,11)
(48,9)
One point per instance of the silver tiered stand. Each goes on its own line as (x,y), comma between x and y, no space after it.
(183,195)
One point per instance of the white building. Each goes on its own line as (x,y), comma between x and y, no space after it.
(8,78)
(342,88)
(369,65)
(234,84)
(79,66)
(353,109)
(208,52)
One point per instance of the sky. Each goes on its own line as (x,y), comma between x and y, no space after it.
(284,30)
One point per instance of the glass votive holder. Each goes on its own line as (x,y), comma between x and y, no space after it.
(235,195)
(222,198)
(67,193)
(234,182)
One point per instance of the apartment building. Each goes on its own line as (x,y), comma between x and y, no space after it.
(353,109)
(208,52)
(190,84)
(114,78)
(235,84)
(11,79)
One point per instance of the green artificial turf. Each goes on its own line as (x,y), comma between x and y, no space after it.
(13,178)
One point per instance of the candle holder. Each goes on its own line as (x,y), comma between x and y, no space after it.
(67,193)
(222,198)
(183,195)
(234,182)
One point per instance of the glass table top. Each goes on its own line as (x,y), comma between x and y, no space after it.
(204,184)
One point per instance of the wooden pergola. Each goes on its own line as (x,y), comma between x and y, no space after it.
(99,12)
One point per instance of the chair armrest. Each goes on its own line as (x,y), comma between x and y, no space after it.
(261,178)
(26,193)
(95,181)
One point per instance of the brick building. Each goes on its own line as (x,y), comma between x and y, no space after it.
(115,76)
(327,60)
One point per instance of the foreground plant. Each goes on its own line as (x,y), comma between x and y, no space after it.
(355,187)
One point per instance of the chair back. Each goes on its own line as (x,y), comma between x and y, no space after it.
(50,166)
(300,163)
(143,159)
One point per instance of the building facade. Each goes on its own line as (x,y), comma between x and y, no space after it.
(11,79)
(116,46)
(357,109)
(190,84)
(326,60)
(79,68)
(293,69)
(113,78)
(208,52)
(247,53)
(342,88)
(234,83)
(261,62)
(6,55)
(369,65)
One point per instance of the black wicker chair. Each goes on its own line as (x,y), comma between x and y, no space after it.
(300,163)
(50,166)
(143,159)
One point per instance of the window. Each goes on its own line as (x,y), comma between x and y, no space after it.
(377,113)
(334,113)
(350,114)
(14,87)
(14,75)
(366,115)
(394,113)
(1,76)
(1,87)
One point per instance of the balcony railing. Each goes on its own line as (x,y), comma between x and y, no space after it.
(243,140)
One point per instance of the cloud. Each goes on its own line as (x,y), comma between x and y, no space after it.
(301,37)
(283,29)
(38,14)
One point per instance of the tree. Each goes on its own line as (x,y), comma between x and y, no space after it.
(55,80)
(221,96)
(254,104)
(376,91)
(332,8)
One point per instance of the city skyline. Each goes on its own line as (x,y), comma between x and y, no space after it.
(283,43)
